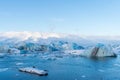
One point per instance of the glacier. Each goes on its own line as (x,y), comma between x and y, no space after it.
(29,42)
(36,42)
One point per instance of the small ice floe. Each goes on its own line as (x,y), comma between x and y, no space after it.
(34,71)
(18,64)
(74,52)
(52,58)
(117,65)
(3,69)
(83,76)
(100,70)
(2,55)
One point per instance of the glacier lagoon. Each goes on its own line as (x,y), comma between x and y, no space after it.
(59,55)
(60,67)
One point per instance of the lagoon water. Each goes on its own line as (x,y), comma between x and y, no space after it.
(65,67)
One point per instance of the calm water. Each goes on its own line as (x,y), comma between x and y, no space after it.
(60,68)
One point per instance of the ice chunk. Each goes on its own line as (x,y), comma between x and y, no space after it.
(74,52)
(13,50)
(34,71)
(2,55)
(100,50)
(19,63)
(100,70)
(4,48)
(83,76)
(3,69)
(117,65)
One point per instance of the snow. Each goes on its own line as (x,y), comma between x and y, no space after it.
(26,35)
(34,71)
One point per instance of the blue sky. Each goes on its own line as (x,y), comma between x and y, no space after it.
(84,17)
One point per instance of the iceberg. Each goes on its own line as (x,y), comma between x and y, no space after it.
(3,69)
(4,48)
(13,50)
(64,45)
(19,63)
(74,52)
(100,50)
(34,71)
(2,55)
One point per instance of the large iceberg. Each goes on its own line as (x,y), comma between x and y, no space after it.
(100,50)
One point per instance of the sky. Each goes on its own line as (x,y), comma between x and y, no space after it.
(83,17)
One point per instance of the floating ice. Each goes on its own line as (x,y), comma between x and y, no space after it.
(34,71)
(13,50)
(100,50)
(83,76)
(3,69)
(74,52)
(100,70)
(117,65)
(19,63)
(2,55)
